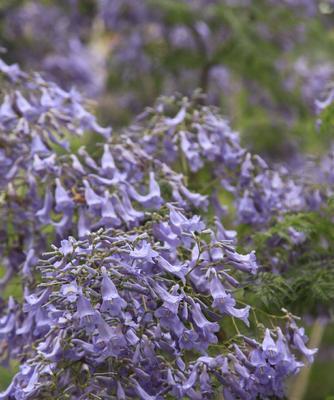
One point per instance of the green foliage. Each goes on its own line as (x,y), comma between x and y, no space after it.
(273,291)
(327,122)
(6,375)
(313,287)
(306,280)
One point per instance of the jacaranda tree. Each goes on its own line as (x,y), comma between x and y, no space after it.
(163,259)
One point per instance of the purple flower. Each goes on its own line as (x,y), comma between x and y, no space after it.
(83,224)
(150,200)
(205,328)
(224,302)
(63,200)
(179,117)
(23,105)
(191,152)
(270,348)
(245,263)
(107,160)
(6,110)
(12,71)
(188,339)
(33,301)
(92,199)
(66,247)
(85,313)
(112,302)
(31,259)
(141,392)
(180,224)
(144,252)
(168,312)
(110,339)
(70,291)
(44,214)
(299,339)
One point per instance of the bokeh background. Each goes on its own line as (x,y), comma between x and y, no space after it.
(264,63)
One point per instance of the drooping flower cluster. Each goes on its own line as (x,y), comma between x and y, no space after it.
(200,138)
(35,116)
(139,314)
(70,193)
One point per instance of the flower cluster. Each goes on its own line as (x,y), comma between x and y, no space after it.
(70,193)
(139,314)
(35,117)
(200,138)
